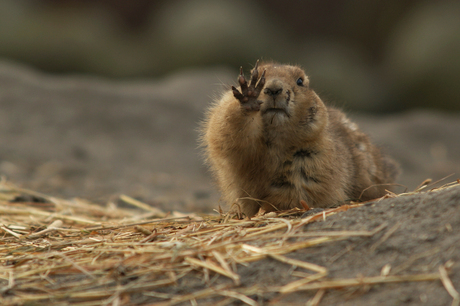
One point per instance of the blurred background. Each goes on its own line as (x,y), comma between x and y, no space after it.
(102,97)
(369,55)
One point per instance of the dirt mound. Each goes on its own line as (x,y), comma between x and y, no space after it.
(392,251)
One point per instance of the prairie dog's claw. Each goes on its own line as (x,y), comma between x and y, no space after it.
(249,93)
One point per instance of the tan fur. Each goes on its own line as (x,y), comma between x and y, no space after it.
(292,149)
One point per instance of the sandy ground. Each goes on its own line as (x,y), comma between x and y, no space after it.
(94,138)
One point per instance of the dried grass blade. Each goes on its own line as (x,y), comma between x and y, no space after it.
(10,285)
(305,244)
(10,232)
(317,298)
(413,258)
(353,282)
(238,296)
(12,188)
(385,237)
(252,249)
(287,222)
(449,286)
(142,205)
(323,214)
(299,263)
(51,228)
(35,212)
(225,266)
(99,228)
(212,266)
(293,286)
(208,292)
(261,253)
(268,230)
(43,269)
(77,266)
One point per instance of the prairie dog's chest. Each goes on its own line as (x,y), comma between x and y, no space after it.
(293,168)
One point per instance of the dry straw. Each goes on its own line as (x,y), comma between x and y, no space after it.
(73,252)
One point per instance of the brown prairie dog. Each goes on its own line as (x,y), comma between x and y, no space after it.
(273,143)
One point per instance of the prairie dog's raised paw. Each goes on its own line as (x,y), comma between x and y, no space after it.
(249,94)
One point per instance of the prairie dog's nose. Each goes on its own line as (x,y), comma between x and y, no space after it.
(274,88)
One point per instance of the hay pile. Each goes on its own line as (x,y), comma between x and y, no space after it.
(72,252)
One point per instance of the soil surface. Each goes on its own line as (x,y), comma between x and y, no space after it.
(421,234)
(75,136)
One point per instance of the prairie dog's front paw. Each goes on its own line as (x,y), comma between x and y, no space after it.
(249,94)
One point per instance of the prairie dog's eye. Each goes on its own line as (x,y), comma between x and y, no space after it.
(299,81)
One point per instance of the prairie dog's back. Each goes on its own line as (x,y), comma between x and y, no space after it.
(273,143)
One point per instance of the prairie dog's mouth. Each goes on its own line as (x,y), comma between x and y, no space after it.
(275,110)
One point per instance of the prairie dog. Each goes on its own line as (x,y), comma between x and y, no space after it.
(273,143)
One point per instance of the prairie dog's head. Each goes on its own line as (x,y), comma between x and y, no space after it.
(287,98)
